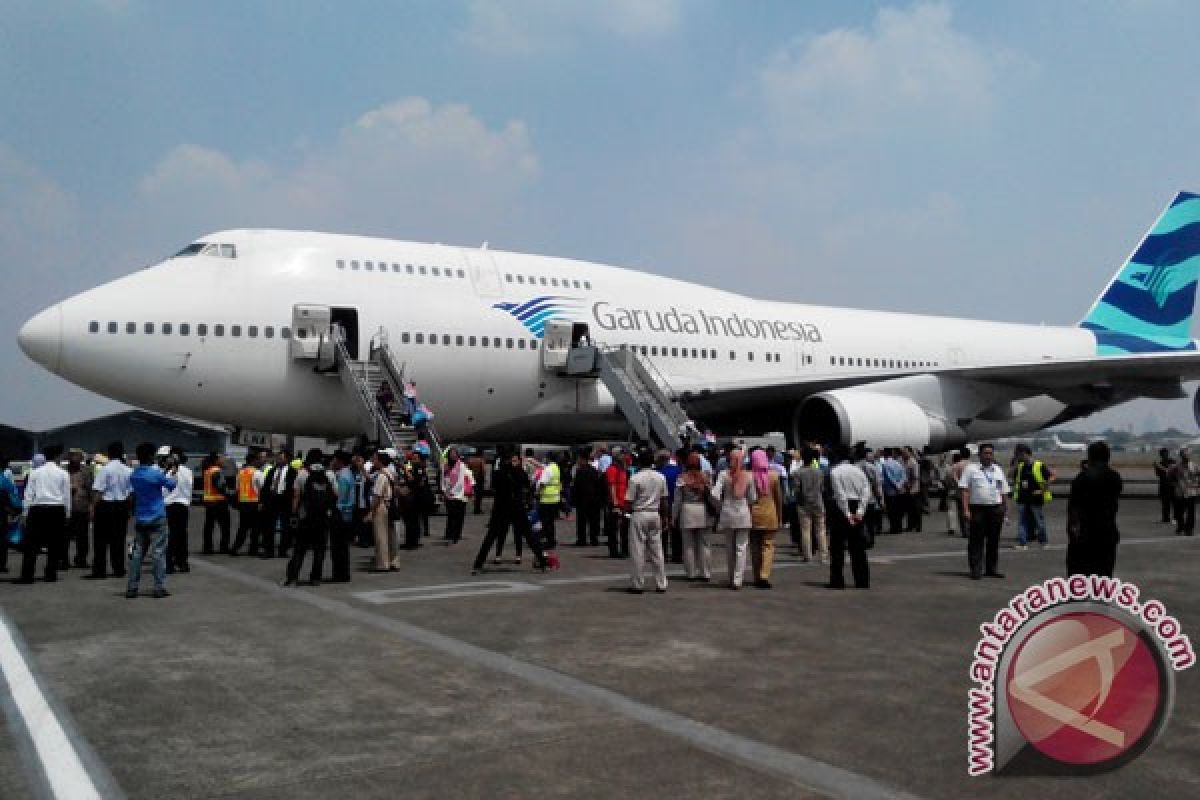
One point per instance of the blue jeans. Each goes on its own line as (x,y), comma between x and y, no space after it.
(1029,514)
(153,536)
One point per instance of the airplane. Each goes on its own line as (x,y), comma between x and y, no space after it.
(1069,447)
(224,331)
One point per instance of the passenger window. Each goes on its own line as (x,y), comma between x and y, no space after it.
(419,338)
(421,270)
(408,268)
(252,331)
(131,327)
(184,329)
(285,332)
(483,341)
(532,281)
(218,330)
(268,332)
(341,263)
(542,280)
(587,284)
(446,339)
(520,279)
(395,267)
(93,327)
(433,338)
(575,284)
(166,328)
(435,272)
(654,350)
(645,350)
(554,282)
(732,356)
(470,341)
(694,355)
(509,343)
(353,265)
(749,356)
(520,344)
(495,341)
(458,341)
(683,353)
(112,327)
(462,274)
(369,267)
(405,338)
(674,352)
(235,330)
(202,329)
(533,345)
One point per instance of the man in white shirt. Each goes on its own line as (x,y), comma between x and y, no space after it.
(48,504)
(110,514)
(984,490)
(646,500)
(851,495)
(178,501)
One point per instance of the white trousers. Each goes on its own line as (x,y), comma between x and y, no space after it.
(645,534)
(696,559)
(735,553)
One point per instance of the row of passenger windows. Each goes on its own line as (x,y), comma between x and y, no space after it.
(542,280)
(882,363)
(702,353)
(459,340)
(201,329)
(408,269)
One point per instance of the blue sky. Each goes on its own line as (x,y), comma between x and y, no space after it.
(982,159)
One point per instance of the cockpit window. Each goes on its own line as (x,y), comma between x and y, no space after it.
(208,249)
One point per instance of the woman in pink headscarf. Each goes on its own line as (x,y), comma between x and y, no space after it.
(736,492)
(766,517)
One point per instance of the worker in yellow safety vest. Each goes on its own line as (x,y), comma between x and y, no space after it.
(1031,492)
(549,496)
(216,503)
(249,484)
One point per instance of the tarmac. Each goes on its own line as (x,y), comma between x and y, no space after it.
(429,682)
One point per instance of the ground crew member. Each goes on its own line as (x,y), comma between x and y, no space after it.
(549,497)
(216,503)
(249,486)
(1031,482)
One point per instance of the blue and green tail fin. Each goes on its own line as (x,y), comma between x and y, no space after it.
(1149,304)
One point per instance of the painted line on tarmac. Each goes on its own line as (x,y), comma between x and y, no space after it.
(444,591)
(66,766)
(806,772)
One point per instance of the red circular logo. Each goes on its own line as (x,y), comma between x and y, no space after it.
(1084,688)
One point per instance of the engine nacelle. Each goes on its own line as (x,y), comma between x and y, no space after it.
(850,416)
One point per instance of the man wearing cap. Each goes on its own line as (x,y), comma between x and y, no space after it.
(48,501)
(82,477)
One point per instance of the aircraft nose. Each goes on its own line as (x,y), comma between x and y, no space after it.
(41,338)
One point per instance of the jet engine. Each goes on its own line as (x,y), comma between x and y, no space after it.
(850,416)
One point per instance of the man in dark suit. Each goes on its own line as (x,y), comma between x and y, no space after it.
(587,494)
(277,491)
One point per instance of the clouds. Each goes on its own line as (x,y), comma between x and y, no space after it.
(530,27)
(404,168)
(912,68)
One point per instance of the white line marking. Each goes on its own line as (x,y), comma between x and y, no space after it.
(62,765)
(806,772)
(443,591)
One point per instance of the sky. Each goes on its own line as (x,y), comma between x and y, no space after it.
(990,160)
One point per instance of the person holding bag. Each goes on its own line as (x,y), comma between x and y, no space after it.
(690,513)
(736,492)
(766,516)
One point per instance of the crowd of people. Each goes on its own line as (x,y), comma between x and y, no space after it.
(648,507)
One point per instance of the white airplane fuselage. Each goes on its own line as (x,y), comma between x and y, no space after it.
(478,393)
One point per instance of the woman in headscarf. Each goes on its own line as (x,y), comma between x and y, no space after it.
(691,516)
(766,515)
(736,491)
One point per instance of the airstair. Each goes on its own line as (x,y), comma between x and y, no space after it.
(640,391)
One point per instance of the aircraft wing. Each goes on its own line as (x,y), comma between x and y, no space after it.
(1146,374)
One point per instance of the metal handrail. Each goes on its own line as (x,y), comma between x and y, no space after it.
(382,424)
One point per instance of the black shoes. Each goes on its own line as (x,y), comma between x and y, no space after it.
(631,590)
(995,574)
(762,584)
(23,581)
(159,593)
(130,594)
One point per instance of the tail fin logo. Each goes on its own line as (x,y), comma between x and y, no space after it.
(535,312)
(1159,282)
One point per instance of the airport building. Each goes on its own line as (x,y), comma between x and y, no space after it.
(130,427)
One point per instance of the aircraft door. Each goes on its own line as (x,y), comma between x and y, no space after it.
(483,272)
(347,318)
(310,326)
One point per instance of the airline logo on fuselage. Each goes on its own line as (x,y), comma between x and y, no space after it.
(534,313)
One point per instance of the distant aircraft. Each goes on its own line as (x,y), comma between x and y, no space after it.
(228,328)
(1069,447)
